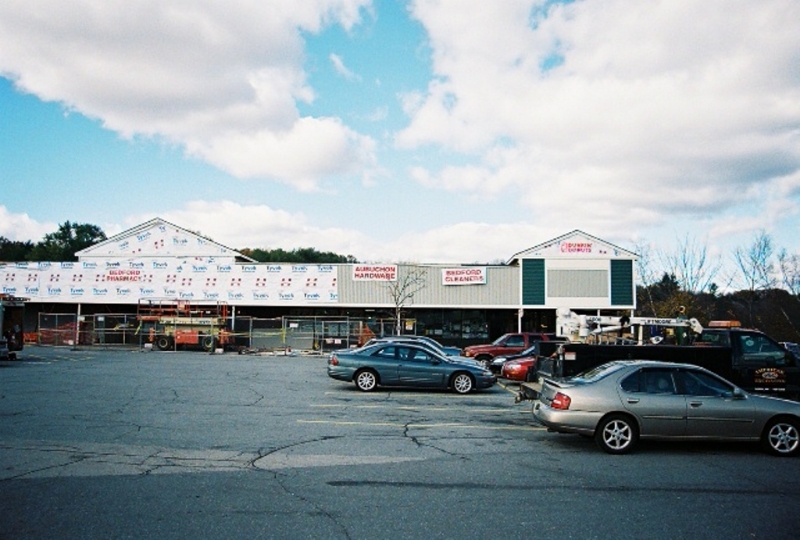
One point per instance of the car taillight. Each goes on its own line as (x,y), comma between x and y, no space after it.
(561,401)
(333,360)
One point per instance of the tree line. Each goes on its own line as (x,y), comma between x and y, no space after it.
(760,287)
(60,245)
(70,238)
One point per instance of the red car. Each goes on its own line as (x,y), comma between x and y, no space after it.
(517,370)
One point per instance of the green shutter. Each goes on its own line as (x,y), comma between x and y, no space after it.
(533,282)
(621,282)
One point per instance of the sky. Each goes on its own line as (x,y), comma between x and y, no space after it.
(453,131)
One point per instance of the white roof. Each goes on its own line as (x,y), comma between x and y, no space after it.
(574,245)
(156,239)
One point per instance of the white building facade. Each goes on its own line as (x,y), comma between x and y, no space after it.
(457,303)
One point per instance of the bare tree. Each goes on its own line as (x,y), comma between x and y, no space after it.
(402,291)
(691,265)
(789,266)
(756,270)
(755,263)
(645,273)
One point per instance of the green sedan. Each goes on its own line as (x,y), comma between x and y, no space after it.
(408,365)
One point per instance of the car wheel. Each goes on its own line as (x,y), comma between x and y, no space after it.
(366,380)
(208,343)
(484,359)
(616,434)
(462,383)
(782,437)
(163,343)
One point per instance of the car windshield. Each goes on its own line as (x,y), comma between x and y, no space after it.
(597,373)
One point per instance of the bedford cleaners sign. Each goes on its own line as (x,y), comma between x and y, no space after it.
(374,272)
(464,276)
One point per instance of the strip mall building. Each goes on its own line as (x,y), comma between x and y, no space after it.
(456,304)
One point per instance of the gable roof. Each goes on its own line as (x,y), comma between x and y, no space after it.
(158,238)
(574,244)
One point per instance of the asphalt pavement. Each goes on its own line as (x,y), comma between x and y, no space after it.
(98,443)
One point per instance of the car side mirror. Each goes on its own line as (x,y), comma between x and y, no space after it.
(738,393)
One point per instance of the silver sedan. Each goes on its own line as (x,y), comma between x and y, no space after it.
(620,402)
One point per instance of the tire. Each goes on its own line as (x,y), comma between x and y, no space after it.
(462,383)
(616,434)
(208,343)
(163,343)
(366,380)
(782,437)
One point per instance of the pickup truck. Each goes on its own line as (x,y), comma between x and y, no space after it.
(505,345)
(748,358)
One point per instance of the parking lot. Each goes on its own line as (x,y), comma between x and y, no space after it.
(128,444)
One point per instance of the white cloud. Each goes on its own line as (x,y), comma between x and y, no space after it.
(259,226)
(617,117)
(21,228)
(469,242)
(617,114)
(311,149)
(220,78)
(341,69)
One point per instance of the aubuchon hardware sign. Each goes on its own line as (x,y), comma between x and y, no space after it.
(375,272)
(464,276)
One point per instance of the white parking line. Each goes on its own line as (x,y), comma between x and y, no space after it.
(416,408)
(422,426)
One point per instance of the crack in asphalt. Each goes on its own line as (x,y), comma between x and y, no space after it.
(263,454)
(416,440)
(114,460)
(280,477)
(37,471)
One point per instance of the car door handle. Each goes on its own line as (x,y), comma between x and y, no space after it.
(633,400)
(695,404)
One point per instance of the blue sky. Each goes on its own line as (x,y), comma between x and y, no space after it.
(424,131)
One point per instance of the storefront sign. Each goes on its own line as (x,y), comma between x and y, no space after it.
(374,272)
(124,275)
(464,276)
(576,247)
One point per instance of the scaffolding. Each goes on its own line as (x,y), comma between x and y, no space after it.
(168,324)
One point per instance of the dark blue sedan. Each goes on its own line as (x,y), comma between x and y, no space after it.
(407,364)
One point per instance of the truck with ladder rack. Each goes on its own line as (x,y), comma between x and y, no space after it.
(749,358)
(168,324)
